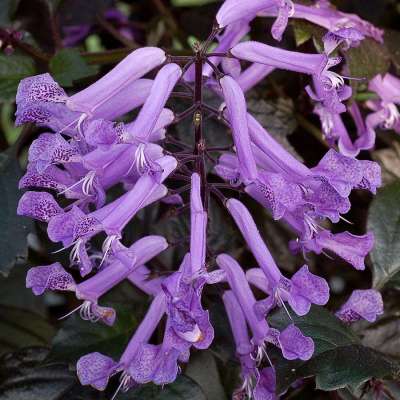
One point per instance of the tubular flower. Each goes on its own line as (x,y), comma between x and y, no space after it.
(89,175)
(304,197)
(300,292)
(386,114)
(257,383)
(41,100)
(322,13)
(122,264)
(233,11)
(291,341)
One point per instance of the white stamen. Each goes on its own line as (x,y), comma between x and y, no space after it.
(283,304)
(125,384)
(70,313)
(311,223)
(87,184)
(86,312)
(335,79)
(69,125)
(345,220)
(74,255)
(106,247)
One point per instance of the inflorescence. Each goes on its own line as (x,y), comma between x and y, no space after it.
(86,152)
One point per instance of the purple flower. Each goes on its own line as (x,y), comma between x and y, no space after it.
(266,385)
(198,222)
(123,264)
(87,152)
(233,11)
(51,277)
(323,14)
(141,362)
(294,344)
(75,228)
(312,64)
(362,304)
(386,114)
(94,369)
(41,100)
(188,321)
(237,115)
(258,384)
(161,89)
(291,341)
(349,247)
(301,291)
(38,205)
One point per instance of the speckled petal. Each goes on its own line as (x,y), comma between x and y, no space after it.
(51,277)
(38,205)
(95,369)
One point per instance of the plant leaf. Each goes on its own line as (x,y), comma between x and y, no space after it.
(183,388)
(68,66)
(77,337)
(13,245)
(202,368)
(384,222)
(23,376)
(17,332)
(339,358)
(7,11)
(13,68)
(392,40)
(367,60)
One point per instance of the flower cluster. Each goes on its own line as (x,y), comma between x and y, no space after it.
(85,151)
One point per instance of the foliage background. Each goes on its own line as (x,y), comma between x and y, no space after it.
(38,351)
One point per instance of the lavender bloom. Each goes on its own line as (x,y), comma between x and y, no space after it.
(43,101)
(301,291)
(38,205)
(198,222)
(189,323)
(302,196)
(362,304)
(233,11)
(236,109)
(238,283)
(162,87)
(330,91)
(386,114)
(291,341)
(75,228)
(87,151)
(312,64)
(123,264)
(258,384)
(266,385)
(95,369)
(326,16)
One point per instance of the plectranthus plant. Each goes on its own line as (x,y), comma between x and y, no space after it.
(86,151)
